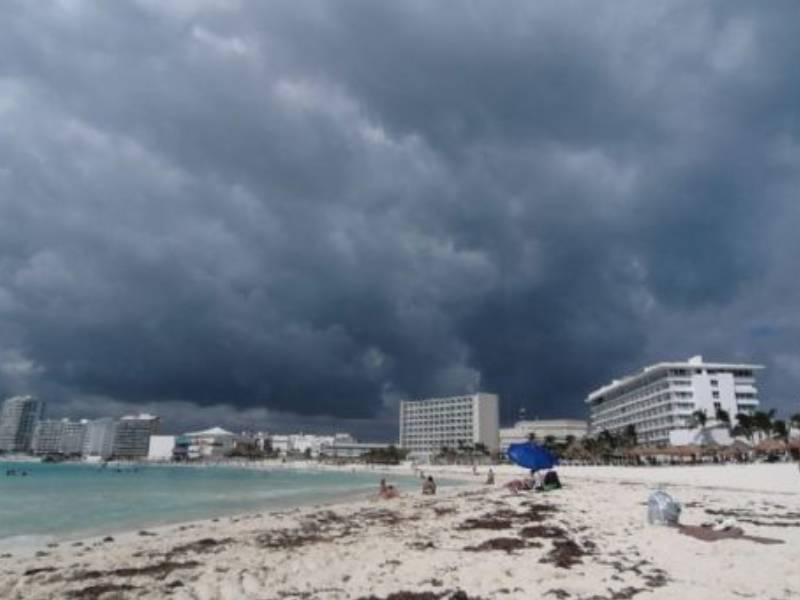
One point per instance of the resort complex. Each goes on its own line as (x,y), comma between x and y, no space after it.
(663,397)
(672,404)
(427,426)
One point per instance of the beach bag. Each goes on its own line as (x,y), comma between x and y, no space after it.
(551,481)
(662,509)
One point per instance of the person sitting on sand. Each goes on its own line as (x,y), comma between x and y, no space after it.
(429,486)
(490,477)
(387,491)
(518,485)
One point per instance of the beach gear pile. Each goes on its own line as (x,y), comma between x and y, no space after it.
(662,509)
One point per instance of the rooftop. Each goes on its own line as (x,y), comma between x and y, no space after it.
(693,362)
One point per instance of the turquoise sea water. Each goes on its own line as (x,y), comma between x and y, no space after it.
(62,501)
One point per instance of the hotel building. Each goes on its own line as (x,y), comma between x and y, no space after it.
(59,437)
(17,422)
(98,440)
(132,436)
(427,426)
(662,397)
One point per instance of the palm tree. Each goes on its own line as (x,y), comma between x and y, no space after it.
(744,426)
(762,421)
(629,436)
(795,421)
(550,442)
(699,418)
(723,416)
(780,430)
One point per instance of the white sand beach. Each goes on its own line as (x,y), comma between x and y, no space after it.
(589,540)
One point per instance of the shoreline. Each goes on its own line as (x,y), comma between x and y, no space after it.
(27,544)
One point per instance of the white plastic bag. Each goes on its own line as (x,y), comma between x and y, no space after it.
(662,509)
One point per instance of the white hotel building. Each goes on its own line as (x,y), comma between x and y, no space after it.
(662,397)
(427,426)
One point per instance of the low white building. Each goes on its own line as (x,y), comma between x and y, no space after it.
(561,430)
(162,448)
(308,443)
(428,426)
(211,443)
(344,449)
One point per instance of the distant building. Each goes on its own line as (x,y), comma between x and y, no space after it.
(662,397)
(162,448)
(98,440)
(17,422)
(351,449)
(308,443)
(210,443)
(63,437)
(427,426)
(561,430)
(132,436)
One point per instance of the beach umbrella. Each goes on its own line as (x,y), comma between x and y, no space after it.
(770,445)
(531,456)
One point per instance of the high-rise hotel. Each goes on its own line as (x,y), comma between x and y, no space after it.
(18,419)
(663,396)
(427,426)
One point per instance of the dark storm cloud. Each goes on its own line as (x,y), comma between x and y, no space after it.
(317,210)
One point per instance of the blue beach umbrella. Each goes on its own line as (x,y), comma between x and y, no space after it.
(531,456)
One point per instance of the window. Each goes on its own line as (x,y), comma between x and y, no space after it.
(717,406)
(714,382)
(715,394)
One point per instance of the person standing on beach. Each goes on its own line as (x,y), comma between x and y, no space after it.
(429,487)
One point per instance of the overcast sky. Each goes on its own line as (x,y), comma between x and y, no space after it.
(268,214)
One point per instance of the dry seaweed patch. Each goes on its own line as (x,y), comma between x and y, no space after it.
(159,571)
(625,593)
(96,591)
(542,531)
(31,572)
(506,544)
(564,554)
(201,546)
(758,518)
(327,526)
(384,517)
(428,545)
(407,595)
(485,522)
(287,538)
(653,577)
(444,510)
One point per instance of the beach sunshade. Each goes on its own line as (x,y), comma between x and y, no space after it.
(770,445)
(531,456)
